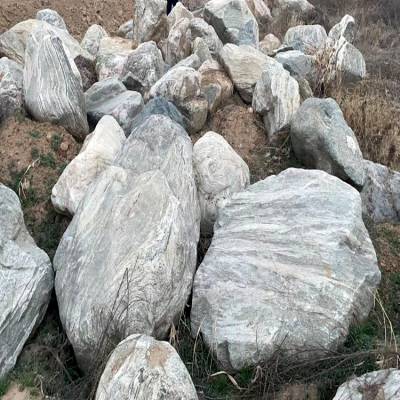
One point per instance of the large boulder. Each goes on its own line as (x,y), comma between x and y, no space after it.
(52,84)
(52,17)
(244,64)
(181,86)
(98,152)
(136,232)
(91,40)
(261,12)
(377,385)
(200,29)
(150,20)
(291,267)
(13,42)
(142,368)
(307,38)
(178,12)
(322,139)
(233,21)
(345,28)
(26,281)
(219,172)
(11,88)
(276,97)
(300,65)
(292,8)
(178,43)
(381,193)
(110,97)
(270,44)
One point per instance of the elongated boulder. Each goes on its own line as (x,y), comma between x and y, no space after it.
(178,43)
(13,42)
(91,40)
(244,65)
(142,368)
(276,97)
(143,68)
(233,21)
(379,385)
(178,12)
(381,193)
(11,88)
(134,233)
(306,38)
(26,281)
(322,139)
(219,172)
(52,84)
(200,29)
(345,28)
(51,17)
(150,20)
(98,152)
(294,251)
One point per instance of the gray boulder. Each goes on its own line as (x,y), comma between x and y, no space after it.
(200,29)
(270,44)
(381,193)
(26,281)
(219,173)
(110,97)
(178,12)
(134,231)
(51,17)
(201,50)
(52,84)
(322,139)
(294,251)
(193,61)
(244,65)
(143,68)
(294,8)
(11,88)
(98,152)
(178,43)
(382,385)
(91,40)
(233,21)
(307,38)
(276,97)
(142,368)
(345,28)
(300,65)
(126,30)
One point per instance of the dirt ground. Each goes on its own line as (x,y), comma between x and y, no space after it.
(78,14)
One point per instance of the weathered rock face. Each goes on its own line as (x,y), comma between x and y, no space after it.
(11,88)
(98,152)
(52,84)
(193,5)
(144,278)
(306,38)
(26,281)
(244,65)
(178,44)
(178,12)
(91,40)
(201,50)
(150,19)
(143,68)
(276,97)
(200,29)
(322,139)
(126,30)
(219,172)
(110,97)
(181,85)
(51,17)
(345,28)
(384,384)
(215,84)
(233,21)
(142,368)
(300,65)
(269,44)
(300,264)
(13,42)
(381,193)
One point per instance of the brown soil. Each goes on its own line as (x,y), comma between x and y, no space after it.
(15,392)
(78,14)
(32,157)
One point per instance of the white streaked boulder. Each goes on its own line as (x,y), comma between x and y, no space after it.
(307,38)
(91,40)
(52,17)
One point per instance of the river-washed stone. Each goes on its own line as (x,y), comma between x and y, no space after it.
(307,38)
(244,65)
(322,139)
(296,254)
(142,368)
(91,40)
(11,88)
(52,84)
(233,21)
(219,172)
(26,281)
(381,193)
(98,152)
(51,17)
(377,385)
